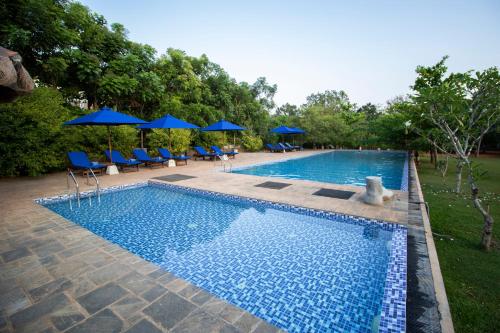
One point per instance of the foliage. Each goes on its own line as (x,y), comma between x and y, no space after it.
(251,142)
(33,140)
(177,139)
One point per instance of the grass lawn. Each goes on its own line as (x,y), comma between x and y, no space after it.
(471,276)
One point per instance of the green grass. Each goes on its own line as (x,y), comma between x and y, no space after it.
(471,275)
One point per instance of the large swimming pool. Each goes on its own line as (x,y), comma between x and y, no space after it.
(339,167)
(299,269)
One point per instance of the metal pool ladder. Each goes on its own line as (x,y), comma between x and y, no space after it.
(90,174)
(225,163)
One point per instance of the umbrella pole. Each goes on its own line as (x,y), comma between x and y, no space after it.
(169,140)
(109,143)
(234,139)
(142,139)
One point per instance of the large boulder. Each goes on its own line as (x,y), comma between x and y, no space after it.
(14,78)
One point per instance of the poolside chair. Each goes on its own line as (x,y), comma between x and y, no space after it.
(80,161)
(285,148)
(165,153)
(274,148)
(293,147)
(121,161)
(143,157)
(219,152)
(202,153)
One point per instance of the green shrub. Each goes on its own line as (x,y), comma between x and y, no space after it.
(33,140)
(251,143)
(181,140)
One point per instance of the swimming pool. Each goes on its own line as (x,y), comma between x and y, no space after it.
(339,167)
(299,269)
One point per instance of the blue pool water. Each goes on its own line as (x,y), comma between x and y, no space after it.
(300,270)
(338,167)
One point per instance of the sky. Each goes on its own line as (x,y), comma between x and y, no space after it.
(369,49)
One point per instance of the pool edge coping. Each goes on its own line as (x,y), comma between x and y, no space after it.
(394,299)
(446,320)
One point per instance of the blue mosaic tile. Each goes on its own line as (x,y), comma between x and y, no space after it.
(303,270)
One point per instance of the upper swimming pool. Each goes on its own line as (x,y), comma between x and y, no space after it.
(299,269)
(339,167)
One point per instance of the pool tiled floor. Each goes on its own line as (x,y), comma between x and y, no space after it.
(57,276)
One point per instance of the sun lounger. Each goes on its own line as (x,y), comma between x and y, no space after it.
(80,161)
(120,161)
(165,153)
(219,152)
(200,152)
(293,147)
(285,148)
(274,148)
(143,157)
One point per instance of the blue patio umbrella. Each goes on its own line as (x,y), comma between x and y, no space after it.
(106,117)
(284,130)
(169,122)
(224,126)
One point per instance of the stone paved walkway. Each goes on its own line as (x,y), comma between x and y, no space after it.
(57,276)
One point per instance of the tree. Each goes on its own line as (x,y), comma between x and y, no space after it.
(462,108)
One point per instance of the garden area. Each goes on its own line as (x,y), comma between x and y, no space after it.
(471,276)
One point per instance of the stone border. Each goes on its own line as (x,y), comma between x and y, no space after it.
(393,312)
(445,321)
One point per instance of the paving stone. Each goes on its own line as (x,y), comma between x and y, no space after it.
(48,248)
(176,285)
(70,269)
(15,254)
(169,310)
(231,313)
(200,322)
(201,297)
(214,306)
(34,278)
(13,301)
(167,278)
(144,326)
(158,273)
(136,282)
(49,261)
(128,306)
(154,293)
(189,291)
(50,288)
(103,322)
(66,317)
(101,297)
(108,273)
(98,259)
(81,286)
(3,321)
(265,327)
(38,310)
(77,249)
(247,322)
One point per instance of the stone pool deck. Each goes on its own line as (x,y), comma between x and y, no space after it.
(57,276)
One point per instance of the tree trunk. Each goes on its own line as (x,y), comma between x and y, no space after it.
(434,151)
(432,156)
(479,147)
(487,218)
(458,177)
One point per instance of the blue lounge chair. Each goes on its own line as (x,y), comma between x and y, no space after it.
(165,153)
(274,148)
(293,147)
(79,160)
(219,152)
(120,161)
(143,157)
(283,147)
(202,153)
